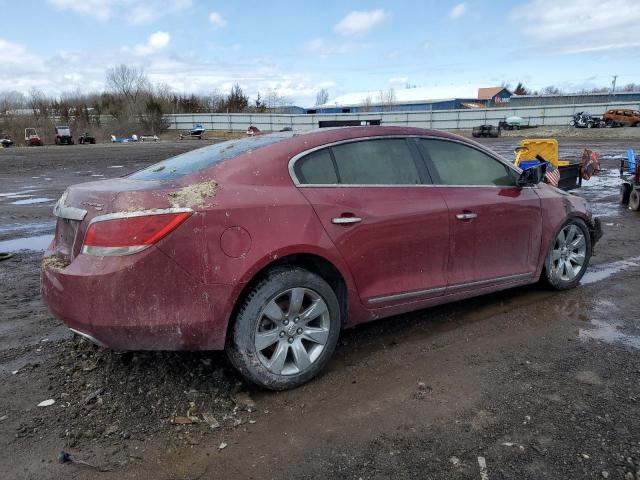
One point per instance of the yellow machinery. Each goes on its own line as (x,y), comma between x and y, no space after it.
(531,150)
(547,148)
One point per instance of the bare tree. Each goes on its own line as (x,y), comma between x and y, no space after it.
(11,100)
(366,104)
(387,99)
(129,82)
(274,101)
(322,96)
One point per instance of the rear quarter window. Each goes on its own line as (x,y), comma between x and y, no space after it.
(201,158)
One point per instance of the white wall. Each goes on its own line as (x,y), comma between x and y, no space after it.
(438,119)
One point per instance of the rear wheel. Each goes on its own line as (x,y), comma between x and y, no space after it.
(286,330)
(569,256)
(634,200)
(625,193)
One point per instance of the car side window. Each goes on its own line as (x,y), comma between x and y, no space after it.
(458,164)
(386,161)
(316,168)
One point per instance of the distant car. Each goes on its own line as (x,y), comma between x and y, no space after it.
(622,117)
(63,135)
(31,138)
(86,138)
(267,246)
(5,141)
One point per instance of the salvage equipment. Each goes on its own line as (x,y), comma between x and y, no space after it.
(630,187)
(531,152)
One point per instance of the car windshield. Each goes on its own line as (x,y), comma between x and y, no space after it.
(195,160)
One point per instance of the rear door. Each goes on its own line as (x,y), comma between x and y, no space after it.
(495,225)
(375,201)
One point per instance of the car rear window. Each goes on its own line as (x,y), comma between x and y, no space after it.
(316,168)
(201,158)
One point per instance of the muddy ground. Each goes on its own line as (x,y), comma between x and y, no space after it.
(533,383)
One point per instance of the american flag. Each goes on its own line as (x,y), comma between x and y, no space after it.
(552,175)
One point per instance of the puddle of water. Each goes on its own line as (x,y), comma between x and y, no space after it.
(14,194)
(38,243)
(600,272)
(31,228)
(30,201)
(609,333)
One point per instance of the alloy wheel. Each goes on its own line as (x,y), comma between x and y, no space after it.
(568,254)
(292,330)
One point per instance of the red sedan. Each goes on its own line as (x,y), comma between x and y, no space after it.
(268,246)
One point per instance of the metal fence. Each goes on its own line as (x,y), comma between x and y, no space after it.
(552,115)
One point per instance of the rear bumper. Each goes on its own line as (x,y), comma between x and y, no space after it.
(137,302)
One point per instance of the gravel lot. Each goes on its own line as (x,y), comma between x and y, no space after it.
(532,383)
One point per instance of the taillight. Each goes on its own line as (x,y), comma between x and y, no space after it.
(127,233)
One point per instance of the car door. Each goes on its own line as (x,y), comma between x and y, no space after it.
(495,225)
(374,200)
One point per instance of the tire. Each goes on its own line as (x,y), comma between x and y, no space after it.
(265,310)
(93,141)
(476,132)
(634,200)
(562,267)
(589,124)
(625,193)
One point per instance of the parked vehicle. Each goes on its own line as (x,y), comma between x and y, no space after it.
(149,138)
(622,118)
(586,120)
(513,123)
(485,131)
(269,245)
(86,138)
(196,132)
(31,138)
(630,187)
(131,139)
(63,135)
(5,141)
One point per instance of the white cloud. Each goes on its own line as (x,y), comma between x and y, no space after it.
(458,11)
(136,12)
(324,48)
(217,20)
(398,80)
(359,22)
(605,24)
(157,41)
(97,9)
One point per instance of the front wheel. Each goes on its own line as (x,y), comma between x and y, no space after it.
(569,256)
(287,329)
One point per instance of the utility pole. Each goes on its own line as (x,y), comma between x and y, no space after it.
(613,84)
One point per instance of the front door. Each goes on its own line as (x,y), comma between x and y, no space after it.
(374,200)
(495,225)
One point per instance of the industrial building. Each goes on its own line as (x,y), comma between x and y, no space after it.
(419,100)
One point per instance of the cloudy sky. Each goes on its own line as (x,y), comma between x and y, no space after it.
(298,47)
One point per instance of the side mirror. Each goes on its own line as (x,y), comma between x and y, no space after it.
(532,176)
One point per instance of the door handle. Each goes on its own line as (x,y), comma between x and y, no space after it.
(345,220)
(466,216)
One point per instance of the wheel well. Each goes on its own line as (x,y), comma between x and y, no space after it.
(314,263)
